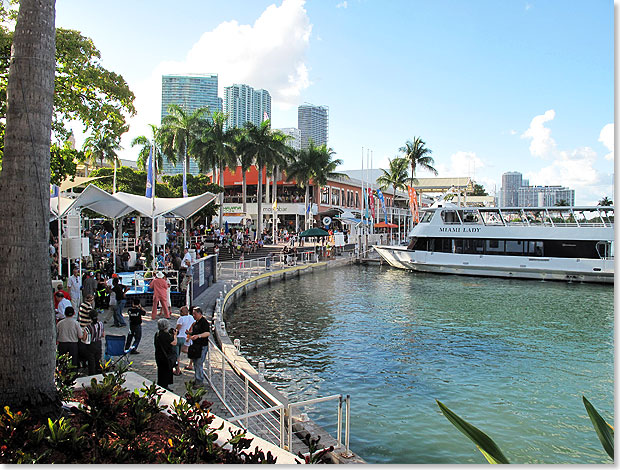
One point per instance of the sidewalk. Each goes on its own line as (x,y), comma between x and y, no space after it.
(144,363)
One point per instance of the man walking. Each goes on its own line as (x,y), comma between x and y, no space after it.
(74,284)
(200,336)
(69,332)
(160,294)
(135,313)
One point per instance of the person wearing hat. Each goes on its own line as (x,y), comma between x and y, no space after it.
(160,287)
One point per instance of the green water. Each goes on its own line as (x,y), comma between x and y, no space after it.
(512,357)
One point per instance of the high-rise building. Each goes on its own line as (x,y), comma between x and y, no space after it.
(517,192)
(242,104)
(190,92)
(509,193)
(295,137)
(312,122)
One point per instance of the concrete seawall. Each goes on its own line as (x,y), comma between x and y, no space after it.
(341,454)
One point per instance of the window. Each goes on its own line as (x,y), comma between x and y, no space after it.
(342,197)
(325,195)
(427,217)
(357,199)
(335,197)
(450,217)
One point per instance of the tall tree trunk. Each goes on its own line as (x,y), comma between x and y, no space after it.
(244,188)
(221,215)
(27,343)
(274,198)
(259,203)
(306,201)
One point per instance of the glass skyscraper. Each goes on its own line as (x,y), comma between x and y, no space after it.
(312,122)
(242,104)
(190,92)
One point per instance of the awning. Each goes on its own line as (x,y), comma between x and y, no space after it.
(119,204)
(72,182)
(65,203)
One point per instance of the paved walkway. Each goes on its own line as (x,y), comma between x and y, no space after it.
(144,363)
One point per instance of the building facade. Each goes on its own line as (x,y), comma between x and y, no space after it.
(312,122)
(242,104)
(294,137)
(190,92)
(517,192)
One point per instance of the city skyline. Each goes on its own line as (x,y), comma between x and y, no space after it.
(484,84)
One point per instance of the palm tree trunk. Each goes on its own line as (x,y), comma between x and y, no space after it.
(114,179)
(274,200)
(259,203)
(221,216)
(306,202)
(244,188)
(27,343)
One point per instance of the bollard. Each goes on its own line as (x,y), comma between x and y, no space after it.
(261,371)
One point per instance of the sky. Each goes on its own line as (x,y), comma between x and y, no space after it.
(490,85)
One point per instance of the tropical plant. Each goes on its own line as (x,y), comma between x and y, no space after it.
(418,156)
(217,147)
(479,190)
(146,144)
(561,202)
(606,202)
(264,146)
(313,164)
(245,161)
(180,131)
(101,147)
(396,176)
(492,452)
(27,377)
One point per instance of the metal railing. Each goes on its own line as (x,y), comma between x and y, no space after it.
(246,269)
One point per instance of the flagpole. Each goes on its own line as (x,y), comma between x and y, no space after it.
(362,202)
(153,182)
(59,236)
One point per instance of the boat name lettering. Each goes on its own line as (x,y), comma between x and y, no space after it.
(458,229)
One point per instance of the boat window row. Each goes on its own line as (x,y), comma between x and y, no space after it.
(587,249)
(561,216)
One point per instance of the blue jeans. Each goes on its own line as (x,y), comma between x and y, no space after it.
(199,373)
(135,333)
(118,313)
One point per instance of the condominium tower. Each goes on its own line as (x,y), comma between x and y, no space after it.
(242,104)
(312,122)
(517,192)
(190,92)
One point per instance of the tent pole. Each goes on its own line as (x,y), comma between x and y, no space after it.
(59,238)
(185,244)
(153,262)
(114,244)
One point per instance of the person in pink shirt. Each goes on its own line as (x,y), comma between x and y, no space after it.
(160,287)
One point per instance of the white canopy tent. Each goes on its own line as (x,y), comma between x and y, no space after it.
(120,204)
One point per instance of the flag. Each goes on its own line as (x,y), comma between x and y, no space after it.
(308,208)
(371,203)
(149,174)
(265,116)
(275,205)
(185,184)
(367,213)
(54,190)
(413,203)
(381,198)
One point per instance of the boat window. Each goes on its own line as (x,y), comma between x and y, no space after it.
(470,216)
(473,246)
(427,217)
(457,245)
(491,217)
(535,217)
(494,246)
(450,217)
(514,247)
(535,248)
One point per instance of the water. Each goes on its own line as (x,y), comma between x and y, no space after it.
(512,357)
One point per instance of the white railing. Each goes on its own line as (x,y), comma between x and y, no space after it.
(246,269)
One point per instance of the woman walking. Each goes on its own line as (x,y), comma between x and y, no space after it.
(165,354)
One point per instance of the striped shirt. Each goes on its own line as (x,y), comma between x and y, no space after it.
(84,314)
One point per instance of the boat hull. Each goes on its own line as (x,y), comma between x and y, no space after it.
(516,267)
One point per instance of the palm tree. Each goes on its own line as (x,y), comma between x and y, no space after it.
(245,161)
(418,156)
(263,145)
(102,146)
(313,164)
(179,131)
(218,146)
(606,202)
(396,176)
(27,377)
(147,143)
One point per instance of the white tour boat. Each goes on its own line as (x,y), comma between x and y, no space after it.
(557,243)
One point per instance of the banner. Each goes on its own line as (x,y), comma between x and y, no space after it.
(371,203)
(380,196)
(413,204)
(149,174)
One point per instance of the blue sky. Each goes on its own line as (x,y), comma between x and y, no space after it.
(490,86)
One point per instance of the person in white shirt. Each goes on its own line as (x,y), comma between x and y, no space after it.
(62,305)
(183,323)
(74,284)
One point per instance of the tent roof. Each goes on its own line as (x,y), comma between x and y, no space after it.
(65,202)
(119,204)
(72,182)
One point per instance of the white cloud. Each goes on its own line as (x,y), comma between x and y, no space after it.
(573,169)
(461,164)
(542,144)
(269,54)
(607,139)
(342,4)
